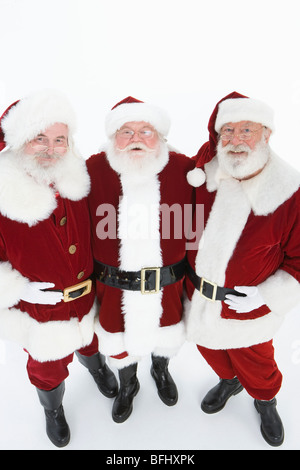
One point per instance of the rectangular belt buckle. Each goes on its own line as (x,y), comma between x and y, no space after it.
(143,280)
(88,287)
(213,284)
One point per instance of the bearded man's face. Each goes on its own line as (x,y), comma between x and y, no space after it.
(243,149)
(49,146)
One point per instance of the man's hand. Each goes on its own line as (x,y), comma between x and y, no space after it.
(246,304)
(34,293)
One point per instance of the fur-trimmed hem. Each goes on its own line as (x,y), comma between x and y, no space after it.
(167,341)
(206,327)
(214,332)
(49,341)
(281,292)
(124,362)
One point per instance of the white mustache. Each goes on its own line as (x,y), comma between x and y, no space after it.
(43,154)
(237,148)
(139,146)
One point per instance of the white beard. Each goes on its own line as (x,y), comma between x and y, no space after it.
(46,175)
(145,165)
(241,167)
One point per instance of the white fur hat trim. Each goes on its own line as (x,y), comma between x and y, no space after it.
(244,109)
(34,114)
(130,112)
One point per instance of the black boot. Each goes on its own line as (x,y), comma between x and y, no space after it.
(217,397)
(271,425)
(56,426)
(103,376)
(166,386)
(129,387)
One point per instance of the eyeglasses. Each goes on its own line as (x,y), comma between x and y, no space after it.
(244,134)
(41,144)
(127,134)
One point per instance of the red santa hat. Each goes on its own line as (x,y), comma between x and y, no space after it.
(2,138)
(130,109)
(232,108)
(26,118)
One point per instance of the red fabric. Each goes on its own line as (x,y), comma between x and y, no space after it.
(106,188)
(255,367)
(48,375)
(127,100)
(208,150)
(2,139)
(120,356)
(41,253)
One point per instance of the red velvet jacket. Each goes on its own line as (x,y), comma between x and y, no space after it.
(50,244)
(131,321)
(251,238)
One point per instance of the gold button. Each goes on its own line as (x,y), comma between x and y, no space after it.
(63,221)
(72,249)
(80,275)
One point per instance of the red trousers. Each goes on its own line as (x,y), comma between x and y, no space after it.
(255,367)
(48,375)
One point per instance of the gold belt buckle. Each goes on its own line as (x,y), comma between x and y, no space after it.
(87,284)
(143,281)
(214,289)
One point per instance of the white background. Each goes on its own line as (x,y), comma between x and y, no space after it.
(183,56)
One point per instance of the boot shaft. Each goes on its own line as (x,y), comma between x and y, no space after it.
(94,362)
(127,375)
(51,399)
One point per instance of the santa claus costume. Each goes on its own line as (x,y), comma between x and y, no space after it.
(139,317)
(250,238)
(45,238)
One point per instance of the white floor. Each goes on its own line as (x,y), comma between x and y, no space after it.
(152,425)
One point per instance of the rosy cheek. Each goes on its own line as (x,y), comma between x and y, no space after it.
(152,143)
(251,144)
(225,142)
(29,150)
(120,144)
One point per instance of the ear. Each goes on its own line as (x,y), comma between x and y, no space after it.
(267,134)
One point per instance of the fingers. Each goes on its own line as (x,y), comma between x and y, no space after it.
(52,298)
(43,285)
(40,294)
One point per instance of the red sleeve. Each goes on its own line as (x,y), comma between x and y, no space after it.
(291,245)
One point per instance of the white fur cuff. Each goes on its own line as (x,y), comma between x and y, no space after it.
(12,283)
(281,292)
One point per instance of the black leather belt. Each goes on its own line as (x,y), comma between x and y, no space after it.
(209,290)
(147,280)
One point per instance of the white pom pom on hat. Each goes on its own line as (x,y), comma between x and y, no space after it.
(196,177)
